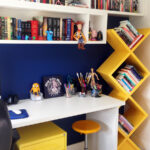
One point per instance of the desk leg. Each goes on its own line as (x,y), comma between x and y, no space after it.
(107,137)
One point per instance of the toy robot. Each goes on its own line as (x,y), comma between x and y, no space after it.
(79,36)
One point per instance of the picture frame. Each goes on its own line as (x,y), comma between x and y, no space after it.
(53,86)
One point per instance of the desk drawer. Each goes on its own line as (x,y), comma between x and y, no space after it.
(54,144)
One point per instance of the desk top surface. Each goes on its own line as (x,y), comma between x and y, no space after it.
(61,107)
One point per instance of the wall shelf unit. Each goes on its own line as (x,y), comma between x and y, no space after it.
(133,111)
(26,10)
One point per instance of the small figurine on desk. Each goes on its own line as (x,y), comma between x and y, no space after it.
(96,88)
(79,36)
(99,36)
(67,89)
(26,37)
(82,85)
(49,35)
(35,93)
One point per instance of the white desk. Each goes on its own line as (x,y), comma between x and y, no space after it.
(104,110)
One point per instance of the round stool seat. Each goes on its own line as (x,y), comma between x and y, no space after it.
(86,126)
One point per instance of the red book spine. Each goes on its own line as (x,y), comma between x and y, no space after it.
(44,1)
(101,4)
(34,29)
(72,30)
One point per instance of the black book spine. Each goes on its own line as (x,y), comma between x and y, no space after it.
(29,28)
(50,24)
(13,28)
(58,29)
(0,28)
(47,1)
(63,29)
(23,29)
(41,1)
(54,28)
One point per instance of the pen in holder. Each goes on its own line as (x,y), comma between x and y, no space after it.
(67,89)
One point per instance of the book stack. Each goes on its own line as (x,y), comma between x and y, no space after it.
(116,5)
(125,125)
(36,29)
(128,33)
(128,77)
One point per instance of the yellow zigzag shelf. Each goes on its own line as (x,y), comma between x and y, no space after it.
(123,54)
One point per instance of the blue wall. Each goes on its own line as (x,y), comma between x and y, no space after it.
(22,65)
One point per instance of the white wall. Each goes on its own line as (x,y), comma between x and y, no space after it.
(142,95)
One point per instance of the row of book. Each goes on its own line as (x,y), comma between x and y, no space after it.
(36,29)
(116,5)
(128,33)
(58,2)
(125,125)
(128,77)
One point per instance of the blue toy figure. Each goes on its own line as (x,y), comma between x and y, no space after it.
(49,35)
(26,37)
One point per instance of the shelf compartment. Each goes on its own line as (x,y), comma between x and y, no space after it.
(133,60)
(128,145)
(117,92)
(146,33)
(134,114)
(121,138)
(98,23)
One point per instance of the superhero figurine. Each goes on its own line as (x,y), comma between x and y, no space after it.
(79,36)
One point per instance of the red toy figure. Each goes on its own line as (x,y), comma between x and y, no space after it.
(79,36)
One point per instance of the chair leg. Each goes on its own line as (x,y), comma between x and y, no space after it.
(86,142)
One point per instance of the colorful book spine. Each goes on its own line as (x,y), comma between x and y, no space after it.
(123,85)
(68,29)
(34,29)
(134,71)
(0,28)
(61,28)
(44,28)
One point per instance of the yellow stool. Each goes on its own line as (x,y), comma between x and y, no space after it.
(86,127)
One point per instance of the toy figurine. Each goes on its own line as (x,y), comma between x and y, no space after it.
(96,88)
(58,2)
(82,84)
(26,37)
(49,35)
(99,36)
(93,35)
(79,36)
(35,93)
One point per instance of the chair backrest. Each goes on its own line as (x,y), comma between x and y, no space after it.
(5,128)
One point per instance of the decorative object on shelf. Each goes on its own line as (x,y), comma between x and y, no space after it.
(72,84)
(96,88)
(12,99)
(58,2)
(99,36)
(26,37)
(93,35)
(49,35)
(53,86)
(35,93)
(79,36)
(77,3)
(82,85)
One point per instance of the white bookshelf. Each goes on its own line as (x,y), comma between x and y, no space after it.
(27,10)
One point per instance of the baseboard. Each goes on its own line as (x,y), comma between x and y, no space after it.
(78,146)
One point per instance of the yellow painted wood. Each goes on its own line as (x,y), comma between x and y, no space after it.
(45,136)
(123,54)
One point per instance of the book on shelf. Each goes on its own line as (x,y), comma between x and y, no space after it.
(128,33)
(116,5)
(128,77)
(125,123)
(36,29)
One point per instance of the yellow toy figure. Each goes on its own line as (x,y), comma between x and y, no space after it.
(35,89)
(79,36)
